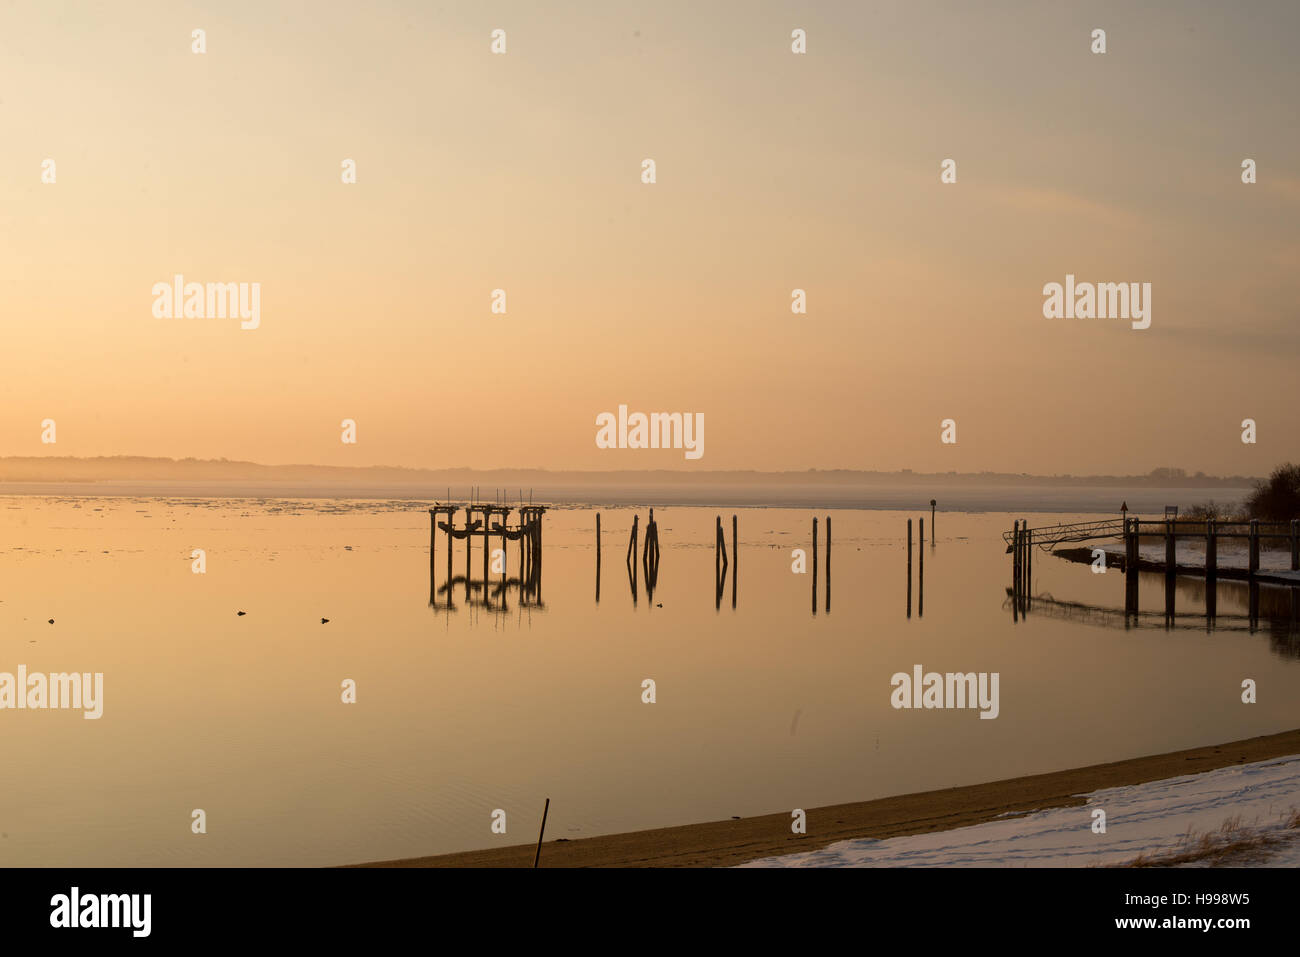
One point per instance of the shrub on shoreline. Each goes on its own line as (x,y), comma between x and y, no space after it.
(1278,499)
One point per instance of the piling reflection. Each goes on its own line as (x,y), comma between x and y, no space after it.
(1274,609)
(490,523)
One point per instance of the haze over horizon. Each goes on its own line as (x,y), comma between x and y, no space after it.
(15,469)
(775,172)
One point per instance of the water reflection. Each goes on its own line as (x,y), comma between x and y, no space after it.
(1274,609)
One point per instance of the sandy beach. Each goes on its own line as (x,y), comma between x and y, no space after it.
(732,842)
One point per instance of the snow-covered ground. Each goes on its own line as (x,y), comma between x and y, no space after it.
(1192,555)
(1152,819)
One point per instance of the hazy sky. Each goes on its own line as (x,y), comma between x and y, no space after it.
(775,171)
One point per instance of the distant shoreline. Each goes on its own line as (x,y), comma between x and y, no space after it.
(961,497)
(727,843)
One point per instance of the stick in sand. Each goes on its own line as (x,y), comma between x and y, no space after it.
(538,856)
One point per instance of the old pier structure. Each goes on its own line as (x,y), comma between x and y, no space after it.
(491,523)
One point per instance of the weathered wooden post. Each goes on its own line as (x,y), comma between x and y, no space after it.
(598,556)
(433,544)
(537,524)
(451,520)
(735,559)
(1131,531)
(1015,557)
(647,546)
(469,548)
(1171,549)
(1029,561)
(1211,570)
(1211,550)
(1254,547)
(720,563)
(920,572)
(909,568)
(814,571)
(1295,545)
(932,504)
(487,548)
(541,833)
(828,563)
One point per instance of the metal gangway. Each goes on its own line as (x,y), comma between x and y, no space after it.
(1050,536)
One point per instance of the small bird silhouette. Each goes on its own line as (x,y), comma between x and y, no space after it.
(324,621)
(51,621)
(241,613)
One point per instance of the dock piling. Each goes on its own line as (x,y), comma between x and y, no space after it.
(540,834)
(814,573)
(909,568)
(735,559)
(828,564)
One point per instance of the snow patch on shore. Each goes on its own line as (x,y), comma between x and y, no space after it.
(1151,819)
(1192,555)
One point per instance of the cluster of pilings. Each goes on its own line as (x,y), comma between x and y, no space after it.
(487,522)
(1022,569)
(920,574)
(649,564)
(649,556)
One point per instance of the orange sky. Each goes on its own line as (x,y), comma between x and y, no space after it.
(775,171)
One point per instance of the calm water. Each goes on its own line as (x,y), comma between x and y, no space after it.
(761,708)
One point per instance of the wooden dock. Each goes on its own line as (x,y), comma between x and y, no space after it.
(487,522)
(1132,532)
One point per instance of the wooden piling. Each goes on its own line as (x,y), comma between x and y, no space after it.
(1015,571)
(1295,546)
(720,563)
(1211,572)
(909,568)
(469,548)
(646,546)
(735,559)
(1131,562)
(814,571)
(920,572)
(540,834)
(932,504)
(828,563)
(1029,562)
(1211,552)
(598,556)
(1254,547)
(1171,549)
